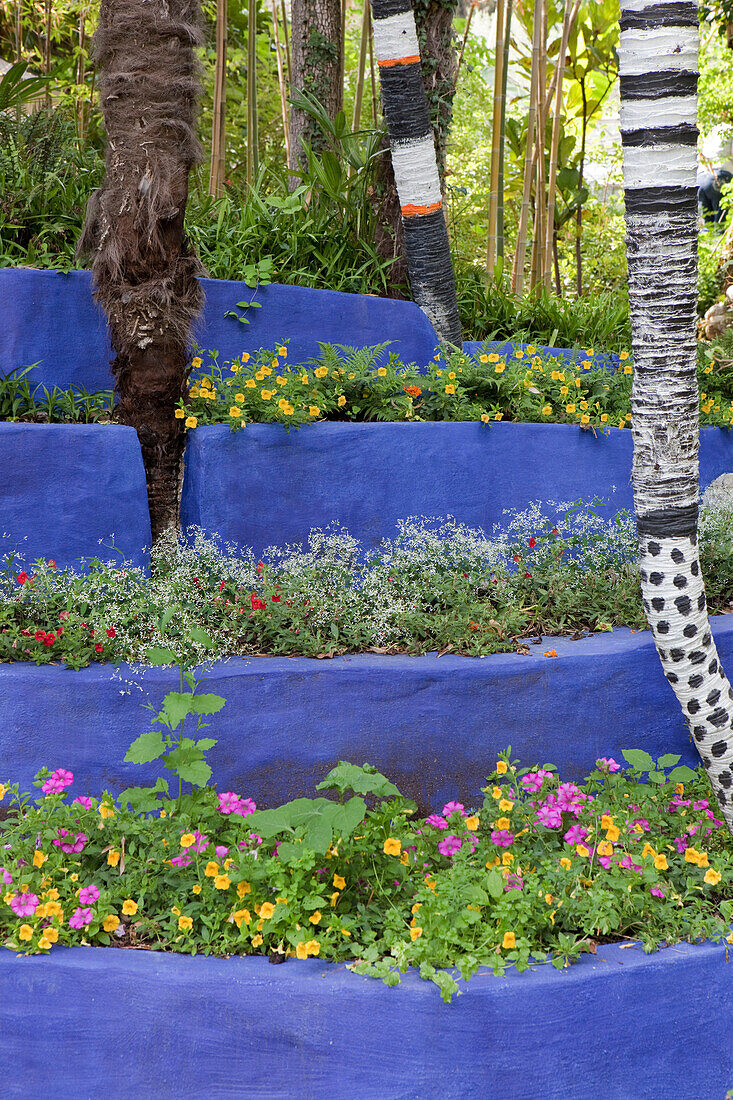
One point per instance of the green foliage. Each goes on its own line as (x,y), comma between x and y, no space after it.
(20,400)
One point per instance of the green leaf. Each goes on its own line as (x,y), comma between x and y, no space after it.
(362,780)
(177,705)
(638,759)
(344,819)
(668,760)
(201,636)
(495,884)
(198,773)
(157,655)
(146,747)
(206,743)
(144,800)
(166,617)
(683,774)
(206,704)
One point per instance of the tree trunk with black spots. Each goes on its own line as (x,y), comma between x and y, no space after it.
(315,37)
(143,268)
(658,66)
(416,172)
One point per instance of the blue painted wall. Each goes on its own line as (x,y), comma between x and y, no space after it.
(66,490)
(367,476)
(433,725)
(619,1025)
(50,318)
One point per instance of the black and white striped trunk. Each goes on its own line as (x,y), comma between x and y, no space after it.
(407,116)
(658,65)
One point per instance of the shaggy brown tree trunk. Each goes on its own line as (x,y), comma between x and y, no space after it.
(143,267)
(316,70)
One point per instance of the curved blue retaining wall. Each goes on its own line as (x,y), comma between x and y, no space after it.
(66,490)
(367,476)
(433,725)
(619,1025)
(50,318)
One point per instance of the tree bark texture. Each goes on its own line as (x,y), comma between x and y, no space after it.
(315,38)
(143,268)
(415,168)
(658,66)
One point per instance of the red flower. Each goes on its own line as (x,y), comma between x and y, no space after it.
(64,615)
(49,639)
(91,632)
(22,578)
(532,542)
(40,635)
(276,599)
(555,531)
(528,574)
(59,632)
(51,563)
(111,632)
(515,558)
(257,603)
(98,647)
(221,586)
(260,566)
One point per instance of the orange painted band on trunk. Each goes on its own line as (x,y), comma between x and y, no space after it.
(411,211)
(413,59)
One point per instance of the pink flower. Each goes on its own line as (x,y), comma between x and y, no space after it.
(201,842)
(657,892)
(628,864)
(228,802)
(605,861)
(453,808)
(501,837)
(450,845)
(681,843)
(85,801)
(533,780)
(576,834)
(569,798)
(514,882)
(641,825)
(88,894)
(701,805)
(63,616)
(549,815)
(69,846)
(57,781)
(80,918)
(24,905)
(607,764)
(6,876)
(436,821)
(221,850)
(183,859)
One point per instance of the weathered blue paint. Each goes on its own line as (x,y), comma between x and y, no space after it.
(264,484)
(433,725)
(620,1024)
(67,490)
(50,318)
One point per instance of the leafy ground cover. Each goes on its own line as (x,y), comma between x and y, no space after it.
(537,869)
(438,585)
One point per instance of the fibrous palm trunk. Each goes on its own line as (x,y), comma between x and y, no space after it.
(416,173)
(143,269)
(658,65)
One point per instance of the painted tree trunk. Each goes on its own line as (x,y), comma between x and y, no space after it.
(316,70)
(143,268)
(658,66)
(416,172)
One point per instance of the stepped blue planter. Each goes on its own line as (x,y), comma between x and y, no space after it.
(69,491)
(433,725)
(50,319)
(265,484)
(619,1025)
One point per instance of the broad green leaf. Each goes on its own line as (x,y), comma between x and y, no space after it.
(361,780)
(344,819)
(201,636)
(157,655)
(495,884)
(206,704)
(146,747)
(668,760)
(638,759)
(143,800)
(206,743)
(177,705)
(683,774)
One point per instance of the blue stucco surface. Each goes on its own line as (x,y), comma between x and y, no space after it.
(619,1025)
(264,484)
(50,318)
(432,724)
(66,491)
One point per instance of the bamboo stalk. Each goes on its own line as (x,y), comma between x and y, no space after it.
(538,249)
(80,70)
(571,14)
(342,55)
(252,151)
(518,271)
(19,31)
(469,17)
(47,49)
(286,40)
(281,81)
(502,129)
(496,135)
(372,71)
(361,71)
(217,170)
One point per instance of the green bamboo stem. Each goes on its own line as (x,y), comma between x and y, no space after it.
(496,135)
(286,40)
(217,169)
(502,126)
(252,151)
(281,81)
(521,250)
(361,71)
(571,14)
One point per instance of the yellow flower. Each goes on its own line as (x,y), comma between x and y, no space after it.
(509,941)
(39,858)
(191,422)
(321,372)
(691,855)
(314,410)
(196,362)
(605,848)
(612,833)
(660,862)
(496,792)
(450,389)
(196,889)
(518,354)
(239,397)
(585,419)
(289,409)
(483,358)
(282,403)
(452,375)
(3,791)
(472,822)
(301,951)
(304,379)
(235,411)
(339,882)
(256,941)
(260,375)
(501,767)
(211,870)
(105,810)
(577,382)
(74,878)
(623,355)
(222,882)
(242,915)
(129,907)
(187,840)
(499,368)
(381,371)
(604,418)
(570,408)
(546,410)
(712,877)
(243,888)
(334,898)
(314,918)
(185,924)
(179,414)
(507,859)
(250,383)
(282,351)
(267,910)
(415,933)
(484,418)
(281,381)
(110,922)
(25,932)
(265,394)
(503,823)
(506,805)
(113,857)
(341,401)
(274,363)
(647,850)
(499,416)
(702,859)
(51,934)
(392,846)
(627,370)
(582,850)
